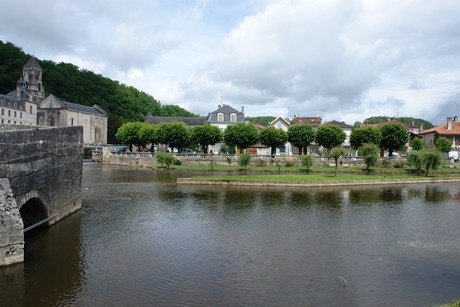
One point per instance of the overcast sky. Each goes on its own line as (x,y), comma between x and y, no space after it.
(343,60)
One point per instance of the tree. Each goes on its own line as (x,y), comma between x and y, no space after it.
(307,162)
(273,137)
(148,134)
(370,154)
(443,144)
(206,135)
(243,160)
(364,135)
(241,135)
(128,134)
(336,153)
(415,159)
(330,136)
(164,158)
(431,158)
(301,136)
(394,136)
(417,143)
(175,134)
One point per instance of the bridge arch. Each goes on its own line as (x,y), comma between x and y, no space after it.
(33,211)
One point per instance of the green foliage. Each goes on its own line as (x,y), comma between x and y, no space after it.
(301,136)
(415,160)
(166,159)
(307,162)
(443,144)
(121,102)
(417,143)
(224,149)
(260,120)
(431,159)
(243,160)
(365,135)
(330,136)
(206,135)
(129,134)
(273,137)
(394,136)
(404,120)
(336,153)
(175,134)
(399,163)
(241,135)
(148,134)
(370,154)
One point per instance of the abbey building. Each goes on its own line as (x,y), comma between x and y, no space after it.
(28,106)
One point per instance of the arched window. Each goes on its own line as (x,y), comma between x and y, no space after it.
(220,117)
(233,117)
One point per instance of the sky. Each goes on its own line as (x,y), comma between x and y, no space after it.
(343,60)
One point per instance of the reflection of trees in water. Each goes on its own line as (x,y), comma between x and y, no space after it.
(391,195)
(364,196)
(436,194)
(332,200)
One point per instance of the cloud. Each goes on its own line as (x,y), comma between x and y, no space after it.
(344,60)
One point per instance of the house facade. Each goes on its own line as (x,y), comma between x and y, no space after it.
(450,129)
(222,117)
(27,105)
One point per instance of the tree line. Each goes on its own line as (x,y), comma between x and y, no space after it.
(368,141)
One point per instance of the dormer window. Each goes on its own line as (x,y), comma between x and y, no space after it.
(233,117)
(220,117)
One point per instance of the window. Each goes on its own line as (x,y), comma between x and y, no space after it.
(233,117)
(20,114)
(220,117)
(9,112)
(30,109)
(280,125)
(15,114)
(71,121)
(3,111)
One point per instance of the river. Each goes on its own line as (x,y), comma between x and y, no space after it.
(141,240)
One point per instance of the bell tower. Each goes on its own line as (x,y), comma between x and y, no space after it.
(31,81)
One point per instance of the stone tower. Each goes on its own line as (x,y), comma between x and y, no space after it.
(30,84)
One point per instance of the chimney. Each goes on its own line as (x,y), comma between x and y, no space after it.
(242,110)
(455,118)
(449,123)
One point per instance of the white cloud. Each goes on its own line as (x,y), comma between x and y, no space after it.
(344,60)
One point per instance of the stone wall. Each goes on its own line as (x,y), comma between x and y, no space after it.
(40,163)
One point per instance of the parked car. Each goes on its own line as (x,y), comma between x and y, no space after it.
(395,155)
(187,151)
(119,149)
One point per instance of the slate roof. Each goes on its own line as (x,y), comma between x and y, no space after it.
(226,110)
(95,109)
(32,62)
(191,121)
(312,121)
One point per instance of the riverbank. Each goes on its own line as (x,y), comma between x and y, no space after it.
(310,181)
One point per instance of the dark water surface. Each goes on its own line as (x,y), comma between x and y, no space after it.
(141,240)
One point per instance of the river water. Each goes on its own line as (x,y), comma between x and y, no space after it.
(141,240)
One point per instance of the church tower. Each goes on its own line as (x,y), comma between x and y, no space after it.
(31,82)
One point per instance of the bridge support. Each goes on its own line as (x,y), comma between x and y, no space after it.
(11,227)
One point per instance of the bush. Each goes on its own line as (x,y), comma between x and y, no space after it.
(165,159)
(400,163)
(260,162)
(243,160)
(289,162)
(177,162)
(307,162)
(386,163)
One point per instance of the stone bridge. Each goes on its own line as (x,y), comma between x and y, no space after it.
(40,181)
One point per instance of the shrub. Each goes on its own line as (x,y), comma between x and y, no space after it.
(260,162)
(307,162)
(399,163)
(289,162)
(386,163)
(243,160)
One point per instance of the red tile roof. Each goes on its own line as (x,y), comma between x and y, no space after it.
(442,129)
(312,121)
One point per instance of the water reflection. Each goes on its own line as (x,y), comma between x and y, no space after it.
(142,240)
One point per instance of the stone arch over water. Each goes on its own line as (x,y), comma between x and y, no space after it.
(33,211)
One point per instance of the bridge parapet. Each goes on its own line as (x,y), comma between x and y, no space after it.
(41,176)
